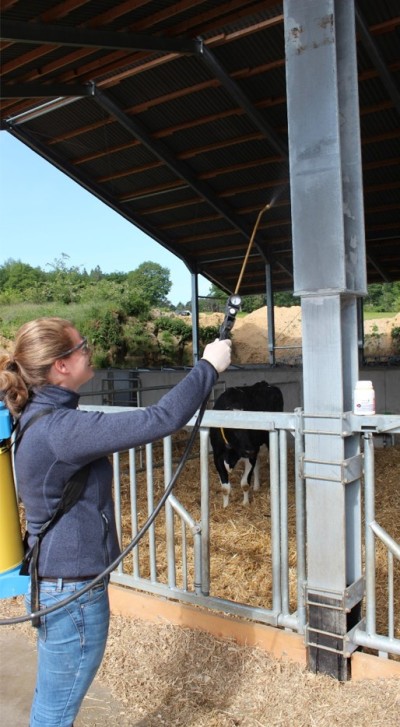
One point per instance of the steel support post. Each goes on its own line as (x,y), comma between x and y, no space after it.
(195,317)
(270,314)
(329,275)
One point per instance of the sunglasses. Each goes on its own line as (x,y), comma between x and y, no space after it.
(81,346)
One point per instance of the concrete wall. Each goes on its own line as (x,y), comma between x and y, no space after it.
(154,383)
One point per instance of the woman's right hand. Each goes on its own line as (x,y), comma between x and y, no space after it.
(218,354)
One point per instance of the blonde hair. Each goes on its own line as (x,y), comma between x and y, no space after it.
(37,345)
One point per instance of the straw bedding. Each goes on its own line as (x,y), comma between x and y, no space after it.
(240,538)
(165,675)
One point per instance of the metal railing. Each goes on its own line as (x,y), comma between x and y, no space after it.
(193,561)
(374,532)
(195,533)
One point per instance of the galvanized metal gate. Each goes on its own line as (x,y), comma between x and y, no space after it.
(286,429)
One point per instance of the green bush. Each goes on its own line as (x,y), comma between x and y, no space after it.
(207,334)
(100,359)
(176,326)
(167,347)
(140,345)
(395,334)
(173,334)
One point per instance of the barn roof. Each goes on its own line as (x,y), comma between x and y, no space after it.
(174,114)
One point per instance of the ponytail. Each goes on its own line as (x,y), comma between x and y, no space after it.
(38,344)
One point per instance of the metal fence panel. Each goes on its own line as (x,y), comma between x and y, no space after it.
(195,534)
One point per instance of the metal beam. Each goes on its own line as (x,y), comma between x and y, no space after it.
(47,34)
(43,90)
(35,112)
(162,152)
(378,268)
(180,168)
(236,92)
(377,58)
(270,314)
(195,317)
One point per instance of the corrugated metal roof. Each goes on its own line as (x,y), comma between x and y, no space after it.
(165,143)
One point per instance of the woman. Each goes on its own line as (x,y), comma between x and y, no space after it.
(51,361)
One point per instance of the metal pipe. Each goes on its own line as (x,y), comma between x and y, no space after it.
(181,512)
(270,314)
(197,561)
(284,521)
(205,511)
(40,110)
(290,621)
(253,613)
(134,514)
(319,433)
(300,524)
(370,558)
(390,596)
(275,524)
(195,317)
(169,514)
(386,539)
(380,643)
(184,557)
(150,508)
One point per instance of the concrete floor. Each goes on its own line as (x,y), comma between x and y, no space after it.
(17,681)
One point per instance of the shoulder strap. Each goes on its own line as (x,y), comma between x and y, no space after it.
(20,431)
(73,488)
(71,494)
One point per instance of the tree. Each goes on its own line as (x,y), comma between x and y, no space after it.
(383,297)
(215,300)
(216,292)
(252,302)
(19,277)
(64,283)
(285,300)
(96,274)
(153,281)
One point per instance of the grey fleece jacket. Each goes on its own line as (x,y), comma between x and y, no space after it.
(84,541)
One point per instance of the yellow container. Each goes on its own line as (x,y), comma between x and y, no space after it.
(11,548)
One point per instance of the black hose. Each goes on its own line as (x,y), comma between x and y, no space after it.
(231,309)
(136,539)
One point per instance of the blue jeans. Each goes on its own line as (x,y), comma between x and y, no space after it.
(71,644)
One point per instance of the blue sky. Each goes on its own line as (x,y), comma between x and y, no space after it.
(44,214)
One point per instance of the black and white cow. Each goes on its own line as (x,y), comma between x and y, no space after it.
(231,445)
